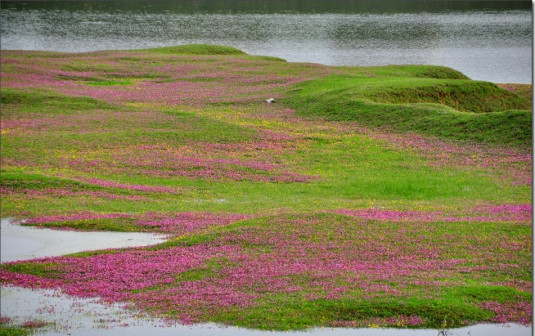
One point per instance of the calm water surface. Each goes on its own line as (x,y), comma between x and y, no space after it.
(485,40)
(22,243)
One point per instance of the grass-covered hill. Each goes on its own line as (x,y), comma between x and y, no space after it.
(391,196)
(435,102)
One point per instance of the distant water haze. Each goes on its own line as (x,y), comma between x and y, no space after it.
(489,41)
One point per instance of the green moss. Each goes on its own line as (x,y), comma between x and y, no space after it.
(195,274)
(267,58)
(461,95)
(101,224)
(108,82)
(418,71)
(206,128)
(20,180)
(197,49)
(21,102)
(454,109)
(481,292)
(14,331)
(286,313)
(46,270)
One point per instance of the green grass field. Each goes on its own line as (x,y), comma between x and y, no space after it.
(378,196)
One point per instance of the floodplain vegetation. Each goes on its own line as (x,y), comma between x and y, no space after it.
(395,196)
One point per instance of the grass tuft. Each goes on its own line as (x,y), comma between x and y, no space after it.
(198,49)
(454,109)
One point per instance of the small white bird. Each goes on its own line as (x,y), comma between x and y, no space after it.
(270,100)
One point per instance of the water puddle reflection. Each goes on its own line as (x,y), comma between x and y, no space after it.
(22,242)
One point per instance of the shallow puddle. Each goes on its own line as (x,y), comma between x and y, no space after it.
(23,242)
(68,315)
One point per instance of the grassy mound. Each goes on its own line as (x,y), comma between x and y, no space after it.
(198,49)
(452,108)
(414,71)
(47,101)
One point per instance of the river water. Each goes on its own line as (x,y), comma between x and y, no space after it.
(489,41)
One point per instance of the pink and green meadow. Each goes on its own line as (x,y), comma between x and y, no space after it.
(392,196)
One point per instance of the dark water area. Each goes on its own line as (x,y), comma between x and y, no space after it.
(486,40)
(273,6)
